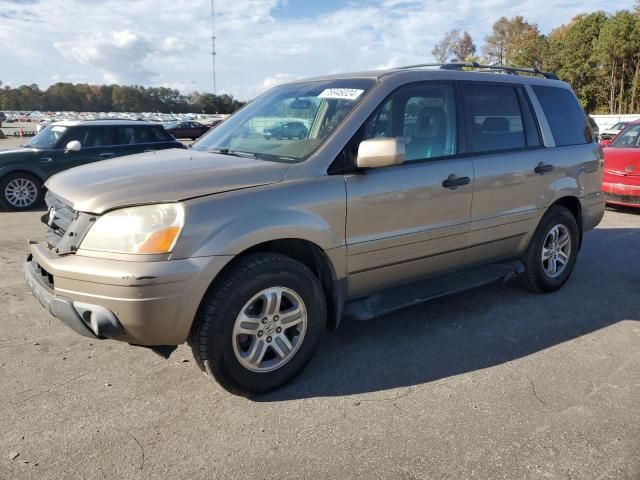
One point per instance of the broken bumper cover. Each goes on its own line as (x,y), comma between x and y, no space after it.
(142,303)
(89,320)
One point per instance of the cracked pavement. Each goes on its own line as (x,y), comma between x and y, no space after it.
(493,383)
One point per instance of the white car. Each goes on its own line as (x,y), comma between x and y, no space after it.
(607,134)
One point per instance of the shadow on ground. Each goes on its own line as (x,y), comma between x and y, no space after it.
(477,329)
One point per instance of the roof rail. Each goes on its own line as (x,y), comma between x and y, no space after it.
(461,65)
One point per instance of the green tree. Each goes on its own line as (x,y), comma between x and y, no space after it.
(507,39)
(617,50)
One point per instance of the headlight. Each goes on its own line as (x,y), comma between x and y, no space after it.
(140,230)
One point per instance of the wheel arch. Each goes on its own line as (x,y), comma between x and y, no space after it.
(12,169)
(572,204)
(314,258)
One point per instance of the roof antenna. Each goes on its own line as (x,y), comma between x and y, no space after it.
(213,45)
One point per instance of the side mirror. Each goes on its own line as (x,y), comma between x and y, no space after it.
(73,146)
(380,152)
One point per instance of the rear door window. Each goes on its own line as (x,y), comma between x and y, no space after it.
(136,134)
(493,117)
(567,120)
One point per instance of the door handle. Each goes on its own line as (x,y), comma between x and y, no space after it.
(46,159)
(453,181)
(543,168)
(107,154)
(149,150)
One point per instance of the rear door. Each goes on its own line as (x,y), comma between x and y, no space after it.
(512,176)
(403,222)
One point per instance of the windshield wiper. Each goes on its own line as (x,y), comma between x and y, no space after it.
(235,153)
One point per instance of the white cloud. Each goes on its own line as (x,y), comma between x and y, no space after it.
(168,42)
(121,56)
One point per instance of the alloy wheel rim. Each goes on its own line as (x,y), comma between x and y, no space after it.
(556,251)
(269,329)
(21,192)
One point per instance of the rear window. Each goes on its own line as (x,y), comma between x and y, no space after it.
(493,112)
(567,120)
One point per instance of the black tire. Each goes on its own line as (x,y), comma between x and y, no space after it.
(535,278)
(211,337)
(6,180)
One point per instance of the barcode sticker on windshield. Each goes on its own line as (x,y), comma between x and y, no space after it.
(341,93)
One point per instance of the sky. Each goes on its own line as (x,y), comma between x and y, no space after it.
(259,43)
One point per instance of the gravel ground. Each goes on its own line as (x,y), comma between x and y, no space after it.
(494,383)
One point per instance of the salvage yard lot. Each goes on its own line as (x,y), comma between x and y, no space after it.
(492,383)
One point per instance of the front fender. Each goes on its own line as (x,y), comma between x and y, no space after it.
(230,223)
(23,167)
(244,232)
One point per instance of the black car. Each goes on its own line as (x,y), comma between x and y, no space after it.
(286,130)
(64,145)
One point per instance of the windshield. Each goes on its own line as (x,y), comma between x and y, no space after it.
(619,126)
(47,138)
(289,122)
(628,138)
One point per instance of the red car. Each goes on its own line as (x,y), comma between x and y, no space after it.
(621,181)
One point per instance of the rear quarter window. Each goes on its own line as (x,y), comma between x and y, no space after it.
(567,120)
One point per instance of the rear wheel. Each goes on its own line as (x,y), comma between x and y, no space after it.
(552,252)
(260,324)
(20,191)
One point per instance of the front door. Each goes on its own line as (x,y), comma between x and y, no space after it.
(410,221)
(97,143)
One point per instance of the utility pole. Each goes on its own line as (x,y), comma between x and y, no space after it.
(213,45)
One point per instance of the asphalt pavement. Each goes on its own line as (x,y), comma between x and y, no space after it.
(493,383)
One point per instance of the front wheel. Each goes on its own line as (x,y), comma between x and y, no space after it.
(552,252)
(259,325)
(20,191)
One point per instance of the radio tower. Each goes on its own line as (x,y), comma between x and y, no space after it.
(213,45)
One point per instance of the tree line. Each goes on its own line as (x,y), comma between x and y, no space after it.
(598,54)
(83,97)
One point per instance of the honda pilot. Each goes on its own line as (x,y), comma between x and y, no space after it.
(408,184)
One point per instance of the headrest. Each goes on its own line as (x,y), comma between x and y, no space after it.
(430,122)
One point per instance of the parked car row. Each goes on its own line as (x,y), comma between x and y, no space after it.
(49,117)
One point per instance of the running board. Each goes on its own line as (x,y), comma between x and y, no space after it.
(403,296)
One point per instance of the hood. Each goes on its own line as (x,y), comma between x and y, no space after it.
(159,176)
(16,153)
(622,160)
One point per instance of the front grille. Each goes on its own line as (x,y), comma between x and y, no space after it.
(65,226)
(58,218)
